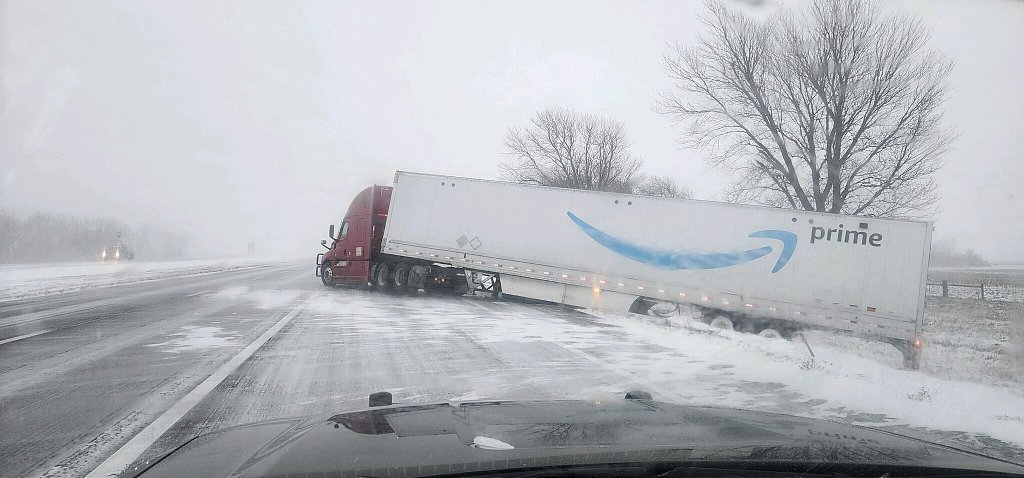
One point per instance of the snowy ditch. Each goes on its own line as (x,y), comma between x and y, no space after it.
(859,382)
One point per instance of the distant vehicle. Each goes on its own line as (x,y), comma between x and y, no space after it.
(120,252)
(763,270)
(117,253)
(635,436)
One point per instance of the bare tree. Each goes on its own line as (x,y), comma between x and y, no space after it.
(47,237)
(835,109)
(945,253)
(661,186)
(564,149)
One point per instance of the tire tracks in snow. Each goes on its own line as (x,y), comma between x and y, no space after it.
(629,376)
(121,459)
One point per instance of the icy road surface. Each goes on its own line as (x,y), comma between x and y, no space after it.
(87,381)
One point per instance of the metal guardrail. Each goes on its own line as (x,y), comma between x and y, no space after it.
(946,285)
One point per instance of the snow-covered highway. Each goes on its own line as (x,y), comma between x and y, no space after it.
(94,380)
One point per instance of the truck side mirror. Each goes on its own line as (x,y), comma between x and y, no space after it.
(323,242)
(330,232)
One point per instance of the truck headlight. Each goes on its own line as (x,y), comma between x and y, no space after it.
(117,254)
(104,253)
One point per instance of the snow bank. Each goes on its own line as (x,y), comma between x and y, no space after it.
(31,280)
(746,371)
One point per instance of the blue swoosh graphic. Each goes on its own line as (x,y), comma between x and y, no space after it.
(682,260)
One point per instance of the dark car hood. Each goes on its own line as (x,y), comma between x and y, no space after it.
(447,438)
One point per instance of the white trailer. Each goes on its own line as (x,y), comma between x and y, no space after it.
(756,267)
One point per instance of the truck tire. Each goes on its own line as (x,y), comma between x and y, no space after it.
(664,309)
(327,274)
(401,276)
(382,277)
(770,333)
(722,322)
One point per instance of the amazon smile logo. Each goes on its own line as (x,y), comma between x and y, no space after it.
(679,260)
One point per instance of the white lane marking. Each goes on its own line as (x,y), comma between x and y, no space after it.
(33,334)
(197,293)
(127,454)
(632,377)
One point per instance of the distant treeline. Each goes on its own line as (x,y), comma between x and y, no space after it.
(946,254)
(45,237)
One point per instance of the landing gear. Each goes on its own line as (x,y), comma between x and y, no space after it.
(484,282)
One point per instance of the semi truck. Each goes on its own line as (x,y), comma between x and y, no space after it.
(763,270)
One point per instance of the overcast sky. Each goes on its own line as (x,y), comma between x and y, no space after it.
(258,121)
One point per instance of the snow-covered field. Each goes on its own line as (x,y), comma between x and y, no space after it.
(967,338)
(31,280)
(1001,282)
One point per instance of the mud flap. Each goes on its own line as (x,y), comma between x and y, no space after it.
(417,278)
(911,350)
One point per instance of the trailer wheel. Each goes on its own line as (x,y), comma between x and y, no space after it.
(382,277)
(327,274)
(401,275)
(664,309)
(770,334)
(722,322)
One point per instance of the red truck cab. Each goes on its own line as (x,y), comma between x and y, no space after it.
(357,244)
(354,256)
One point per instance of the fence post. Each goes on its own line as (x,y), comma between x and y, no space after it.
(982,290)
(945,288)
